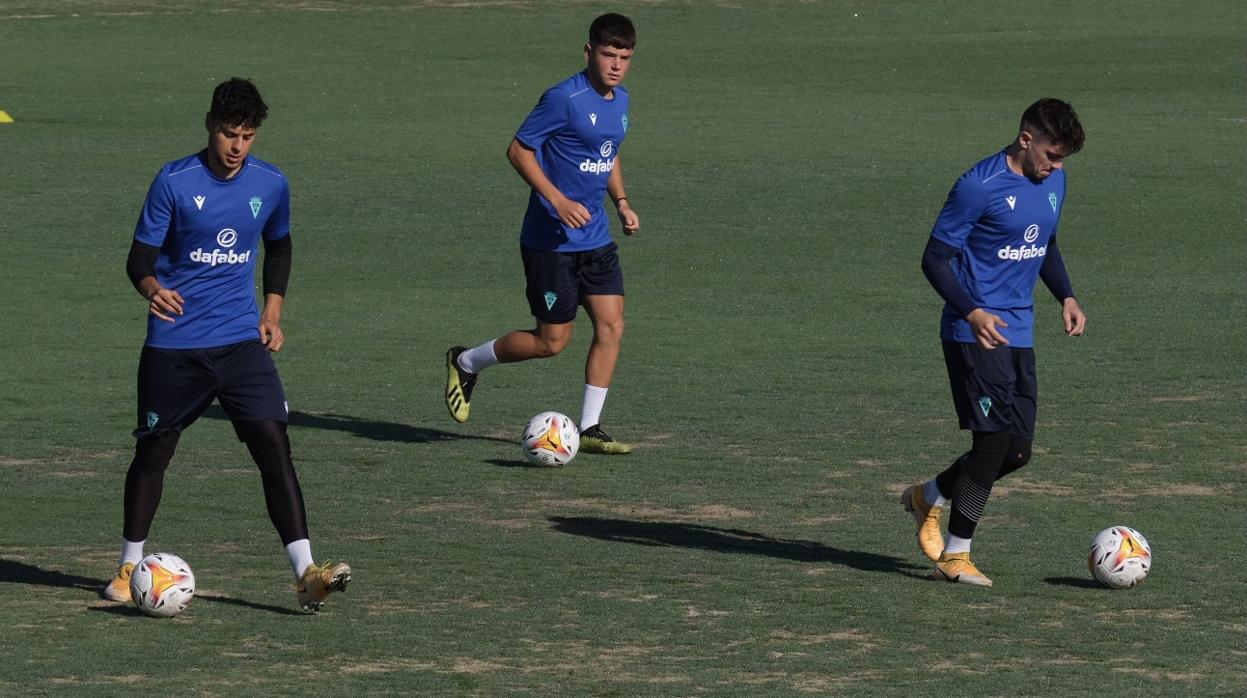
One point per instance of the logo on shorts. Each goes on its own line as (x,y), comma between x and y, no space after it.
(551,296)
(985,404)
(1052,200)
(152,418)
(256,202)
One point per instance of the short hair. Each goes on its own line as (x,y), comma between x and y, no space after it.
(612,29)
(1057,121)
(237,102)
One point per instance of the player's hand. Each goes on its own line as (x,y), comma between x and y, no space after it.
(271,334)
(1075,320)
(164,303)
(983,324)
(631,223)
(572,213)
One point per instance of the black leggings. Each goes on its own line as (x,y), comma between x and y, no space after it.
(270,448)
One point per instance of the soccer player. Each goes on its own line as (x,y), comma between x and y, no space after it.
(193,259)
(567,150)
(995,236)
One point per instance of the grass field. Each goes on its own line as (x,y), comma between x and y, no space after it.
(781,375)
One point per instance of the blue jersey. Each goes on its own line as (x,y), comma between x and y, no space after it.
(575,133)
(208,230)
(1001,223)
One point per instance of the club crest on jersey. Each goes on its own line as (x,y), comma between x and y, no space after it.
(1012,201)
(199,202)
(1052,200)
(624,119)
(256,202)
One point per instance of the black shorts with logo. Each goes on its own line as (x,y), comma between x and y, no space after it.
(559,281)
(176,386)
(993,390)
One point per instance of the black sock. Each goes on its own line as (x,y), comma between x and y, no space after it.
(974,481)
(270,448)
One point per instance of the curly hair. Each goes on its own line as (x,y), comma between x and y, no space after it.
(1057,121)
(237,102)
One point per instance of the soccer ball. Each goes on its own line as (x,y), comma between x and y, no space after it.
(1120,557)
(550,439)
(162,585)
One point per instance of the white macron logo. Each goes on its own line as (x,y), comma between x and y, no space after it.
(593,119)
(1012,201)
(199,202)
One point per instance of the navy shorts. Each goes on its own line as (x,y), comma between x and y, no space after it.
(559,281)
(993,390)
(176,386)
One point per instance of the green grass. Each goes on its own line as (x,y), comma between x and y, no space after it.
(781,372)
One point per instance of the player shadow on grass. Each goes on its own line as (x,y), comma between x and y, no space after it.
(13,572)
(368,429)
(730,540)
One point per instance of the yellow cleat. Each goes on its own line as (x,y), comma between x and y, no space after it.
(459,384)
(119,588)
(930,538)
(594,440)
(319,580)
(957,567)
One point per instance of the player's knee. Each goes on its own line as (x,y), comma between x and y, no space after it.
(551,346)
(1019,453)
(609,331)
(153,453)
(266,440)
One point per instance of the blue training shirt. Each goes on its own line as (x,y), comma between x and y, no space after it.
(1001,223)
(575,133)
(208,230)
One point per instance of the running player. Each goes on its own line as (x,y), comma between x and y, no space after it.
(994,238)
(567,151)
(193,259)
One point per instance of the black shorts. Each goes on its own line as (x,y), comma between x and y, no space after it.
(177,385)
(993,390)
(559,281)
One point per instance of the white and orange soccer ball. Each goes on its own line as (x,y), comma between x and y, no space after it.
(162,585)
(1120,557)
(551,439)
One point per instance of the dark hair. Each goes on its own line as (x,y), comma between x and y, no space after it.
(612,29)
(1057,122)
(237,102)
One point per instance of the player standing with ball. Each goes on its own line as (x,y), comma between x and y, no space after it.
(567,151)
(193,260)
(994,238)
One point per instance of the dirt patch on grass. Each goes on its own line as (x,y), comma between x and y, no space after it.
(853,636)
(1184,677)
(387,666)
(1170,490)
(1044,489)
(822,520)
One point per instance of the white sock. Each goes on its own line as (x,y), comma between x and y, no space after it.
(479,358)
(931,493)
(957,545)
(591,412)
(300,554)
(131,551)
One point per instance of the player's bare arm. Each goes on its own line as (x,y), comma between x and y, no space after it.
(984,326)
(524,160)
(615,188)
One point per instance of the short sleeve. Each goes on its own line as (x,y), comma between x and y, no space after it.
(966,203)
(157,215)
(546,119)
(278,225)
